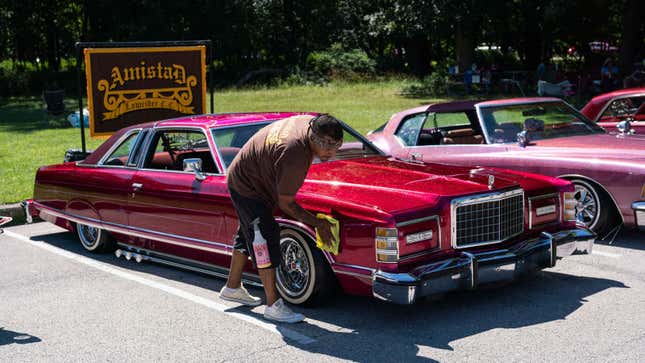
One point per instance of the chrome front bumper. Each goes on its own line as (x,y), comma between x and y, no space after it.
(469,270)
(639,214)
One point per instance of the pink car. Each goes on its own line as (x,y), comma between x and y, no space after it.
(610,109)
(537,135)
(158,192)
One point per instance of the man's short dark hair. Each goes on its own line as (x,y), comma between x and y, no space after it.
(327,125)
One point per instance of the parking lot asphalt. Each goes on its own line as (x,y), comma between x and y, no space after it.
(61,303)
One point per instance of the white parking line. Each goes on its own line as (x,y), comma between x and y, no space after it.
(287,333)
(605,254)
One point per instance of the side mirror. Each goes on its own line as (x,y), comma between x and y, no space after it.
(523,138)
(194,165)
(624,127)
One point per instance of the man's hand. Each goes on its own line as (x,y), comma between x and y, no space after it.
(289,205)
(324,230)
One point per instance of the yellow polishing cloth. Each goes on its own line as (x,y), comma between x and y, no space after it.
(333,246)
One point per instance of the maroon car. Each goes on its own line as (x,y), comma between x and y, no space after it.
(537,135)
(158,192)
(610,109)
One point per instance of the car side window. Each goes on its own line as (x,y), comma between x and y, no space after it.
(169,148)
(119,157)
(455,128)
(622,107)
(409,130)
(229,140)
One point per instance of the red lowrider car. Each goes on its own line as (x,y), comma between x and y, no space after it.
(609,109)
(537,135)
(158,192)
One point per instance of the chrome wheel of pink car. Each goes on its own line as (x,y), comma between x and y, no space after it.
(303,276)
(589,208)
(94,239)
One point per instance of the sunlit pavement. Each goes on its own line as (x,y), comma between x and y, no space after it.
(60,303)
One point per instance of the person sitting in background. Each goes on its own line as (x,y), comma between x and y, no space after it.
(609,75)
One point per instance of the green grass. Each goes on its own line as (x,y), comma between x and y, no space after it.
(29,138)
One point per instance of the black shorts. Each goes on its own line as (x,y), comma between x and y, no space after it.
(249,209)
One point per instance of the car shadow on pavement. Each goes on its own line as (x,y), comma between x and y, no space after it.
(364,329)
(10,337)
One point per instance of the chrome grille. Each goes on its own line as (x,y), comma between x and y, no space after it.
(486,219)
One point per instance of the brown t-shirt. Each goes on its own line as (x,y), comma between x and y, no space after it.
(273,162)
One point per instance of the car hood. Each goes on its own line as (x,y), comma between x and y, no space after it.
(604,146)
(391,185)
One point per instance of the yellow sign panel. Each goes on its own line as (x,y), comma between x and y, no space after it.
(127,86)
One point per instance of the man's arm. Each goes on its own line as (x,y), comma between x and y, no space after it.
(289,205)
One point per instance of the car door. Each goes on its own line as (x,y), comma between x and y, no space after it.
(453,137)
(178,213)
(101,192)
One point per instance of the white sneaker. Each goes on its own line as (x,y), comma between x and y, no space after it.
(281,312)
(239,295)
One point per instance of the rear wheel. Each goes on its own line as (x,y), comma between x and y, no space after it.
(304,277)
(594,208)
(94,239)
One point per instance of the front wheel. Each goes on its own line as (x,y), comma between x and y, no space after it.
(593,209)
(94,239)
(304,277)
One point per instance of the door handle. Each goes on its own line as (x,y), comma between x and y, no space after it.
(137,186)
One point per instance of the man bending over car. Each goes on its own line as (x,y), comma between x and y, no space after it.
(267,173)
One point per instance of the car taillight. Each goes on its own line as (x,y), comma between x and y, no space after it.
(387,245)
(569,204)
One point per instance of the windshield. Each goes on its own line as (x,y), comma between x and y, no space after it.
(545,120)
(229,141)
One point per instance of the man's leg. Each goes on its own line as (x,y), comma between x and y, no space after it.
(267,275)
(238,260)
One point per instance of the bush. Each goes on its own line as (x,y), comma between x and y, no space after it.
(13,82)
(339,62)
(435,84)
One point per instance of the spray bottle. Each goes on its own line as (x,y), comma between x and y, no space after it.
(260,247)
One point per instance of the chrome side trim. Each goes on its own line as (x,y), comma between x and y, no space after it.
(140,232)
(353,274)
(250,279)
(476,199)
(558,206)
(578,176)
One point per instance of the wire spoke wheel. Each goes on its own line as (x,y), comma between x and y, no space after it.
(294,273)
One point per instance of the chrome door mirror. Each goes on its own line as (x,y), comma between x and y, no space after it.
(523,138)
(194,165)
(624,127)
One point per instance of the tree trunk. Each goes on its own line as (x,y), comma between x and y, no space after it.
(632,28)
(464,47)
(418,55)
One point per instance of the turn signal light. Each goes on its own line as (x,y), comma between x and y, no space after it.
(387,245)
(570,203)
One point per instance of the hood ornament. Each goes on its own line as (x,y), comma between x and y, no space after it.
(491,181)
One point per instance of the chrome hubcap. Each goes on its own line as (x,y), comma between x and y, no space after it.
(587,206)
(87,234)
(293,274)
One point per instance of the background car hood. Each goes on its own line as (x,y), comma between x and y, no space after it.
(392,185)
(610,147)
